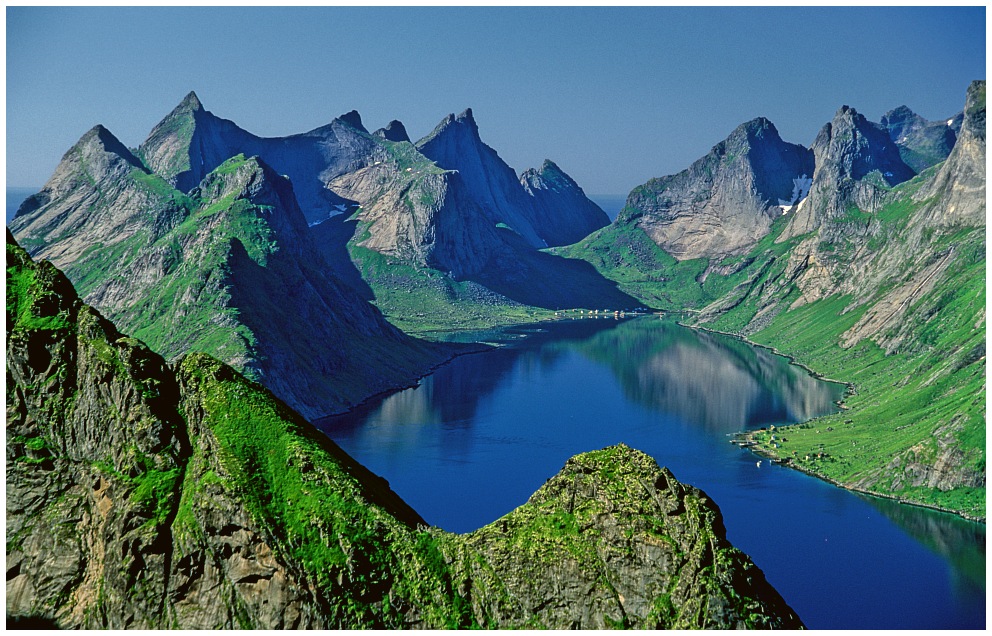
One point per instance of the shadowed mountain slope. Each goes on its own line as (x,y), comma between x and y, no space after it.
(148,497)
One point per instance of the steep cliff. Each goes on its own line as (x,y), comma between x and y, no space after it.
(455,145)
(726,201)
(142,496)
(876,278)
(562,212)
(228,268)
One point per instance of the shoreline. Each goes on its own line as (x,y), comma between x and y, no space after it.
(747,436)
(787,462)
(851,389)
(470,349)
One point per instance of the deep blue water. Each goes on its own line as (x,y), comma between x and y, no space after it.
(476,438)
(611,203)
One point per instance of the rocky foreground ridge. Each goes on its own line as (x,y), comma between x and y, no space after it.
(141,495)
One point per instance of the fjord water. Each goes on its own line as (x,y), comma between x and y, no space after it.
(482,433)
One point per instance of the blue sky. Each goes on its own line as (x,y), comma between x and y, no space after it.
(614,96)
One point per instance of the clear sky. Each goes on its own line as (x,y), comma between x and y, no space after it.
(614,96)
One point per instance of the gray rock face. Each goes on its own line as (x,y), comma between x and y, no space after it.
(562,212)
(140,496)
(452,205)
(921,143)
(959,186)
(393,131)
(229,269)
(97,174)
(455,145)
(726,201)
(856,162)
(447,222)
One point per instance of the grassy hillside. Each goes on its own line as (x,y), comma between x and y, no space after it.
(888,302)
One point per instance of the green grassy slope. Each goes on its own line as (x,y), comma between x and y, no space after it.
(192,497)
(914,426)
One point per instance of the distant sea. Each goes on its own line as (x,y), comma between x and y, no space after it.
(611,203)
(16,196)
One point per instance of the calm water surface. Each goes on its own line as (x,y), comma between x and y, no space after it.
(481,434)
(610,203)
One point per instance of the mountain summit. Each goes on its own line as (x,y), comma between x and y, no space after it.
(726,201)
(856,163)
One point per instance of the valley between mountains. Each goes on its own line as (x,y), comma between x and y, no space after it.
(170,477)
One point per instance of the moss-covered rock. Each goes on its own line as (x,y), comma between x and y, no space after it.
(140,496)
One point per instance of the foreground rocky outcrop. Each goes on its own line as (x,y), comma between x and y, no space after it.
(145,496)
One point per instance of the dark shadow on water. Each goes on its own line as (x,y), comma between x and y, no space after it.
(954,539)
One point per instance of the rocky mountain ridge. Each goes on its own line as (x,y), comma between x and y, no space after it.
(145,496)
(228,267)
(447,208)
(876,278)
(726,201)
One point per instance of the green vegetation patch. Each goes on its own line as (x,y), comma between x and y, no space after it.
(303,491)
(33,303)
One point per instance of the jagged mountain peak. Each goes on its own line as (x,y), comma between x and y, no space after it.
(191,103)
(852,146)
(757,126)
(754,132)
(548,175)
(725,201)
(190,142)
(393,131)
(453,125)
(921,143)
(100,138)
(353,119)
(899,114)
(562,212)
(188,106)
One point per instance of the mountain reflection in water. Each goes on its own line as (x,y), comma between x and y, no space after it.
(483,432)
(714,382)
(721,384)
